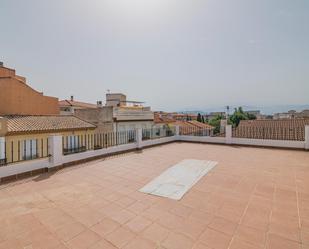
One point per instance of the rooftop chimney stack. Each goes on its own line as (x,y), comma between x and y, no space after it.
(72,98)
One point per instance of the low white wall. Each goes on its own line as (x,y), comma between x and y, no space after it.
(246,141)
(163,140)
(269,143)
(25,166)
(307,137)
(219,140)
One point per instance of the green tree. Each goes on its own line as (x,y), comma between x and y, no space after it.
(203,119)
(239,115)
(251,116)
(216,122)
(199,117)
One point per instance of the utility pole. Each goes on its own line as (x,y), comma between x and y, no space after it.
(227,112)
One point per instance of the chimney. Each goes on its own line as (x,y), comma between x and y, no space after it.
(72,98)
(99,104)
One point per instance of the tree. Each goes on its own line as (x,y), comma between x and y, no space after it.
(216,122)
(251,116)
(203,119)
(199,117)
(239,115)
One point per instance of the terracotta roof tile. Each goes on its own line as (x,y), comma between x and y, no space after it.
(200,125)
(27,123)
(159,119)
(289,129)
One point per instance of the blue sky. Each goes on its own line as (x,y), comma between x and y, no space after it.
(173,54)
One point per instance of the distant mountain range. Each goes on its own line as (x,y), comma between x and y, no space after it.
(268,110)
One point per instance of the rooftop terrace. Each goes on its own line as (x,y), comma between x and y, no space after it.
(254,198)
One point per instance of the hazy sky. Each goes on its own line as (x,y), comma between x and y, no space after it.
(173,54)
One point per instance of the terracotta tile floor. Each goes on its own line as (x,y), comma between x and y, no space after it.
(254,198)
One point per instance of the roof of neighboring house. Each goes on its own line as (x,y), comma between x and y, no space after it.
(76,104)
(162,119)
(44,123)
(285,129)
(200,124)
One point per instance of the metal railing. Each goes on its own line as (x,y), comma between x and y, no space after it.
(195,131)
(156,133)
(23,150)
(105,140)
(270,133)
(82,143)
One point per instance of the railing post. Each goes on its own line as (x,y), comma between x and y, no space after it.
(307,137)
(2,148)
(228,134)
(177,131)
(55,150)
(139,138)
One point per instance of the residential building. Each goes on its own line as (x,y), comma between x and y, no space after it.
(118,114)
(162,120)
(183,116)
(257,114)
(69,106)
(292,114)
(253,112)
(212,115)
(17,97)
(101,116)
(129,115)
(24,137)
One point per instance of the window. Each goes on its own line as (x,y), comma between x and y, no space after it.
(29,149)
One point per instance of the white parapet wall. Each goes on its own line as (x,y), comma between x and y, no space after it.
(201,139)
(25,166)
(57,158)
(269,143)
(157,141)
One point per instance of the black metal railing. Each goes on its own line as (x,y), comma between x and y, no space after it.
(195,131)
(155,133)
(270,133)
(80,143)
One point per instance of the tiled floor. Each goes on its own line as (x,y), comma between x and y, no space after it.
(254,198)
